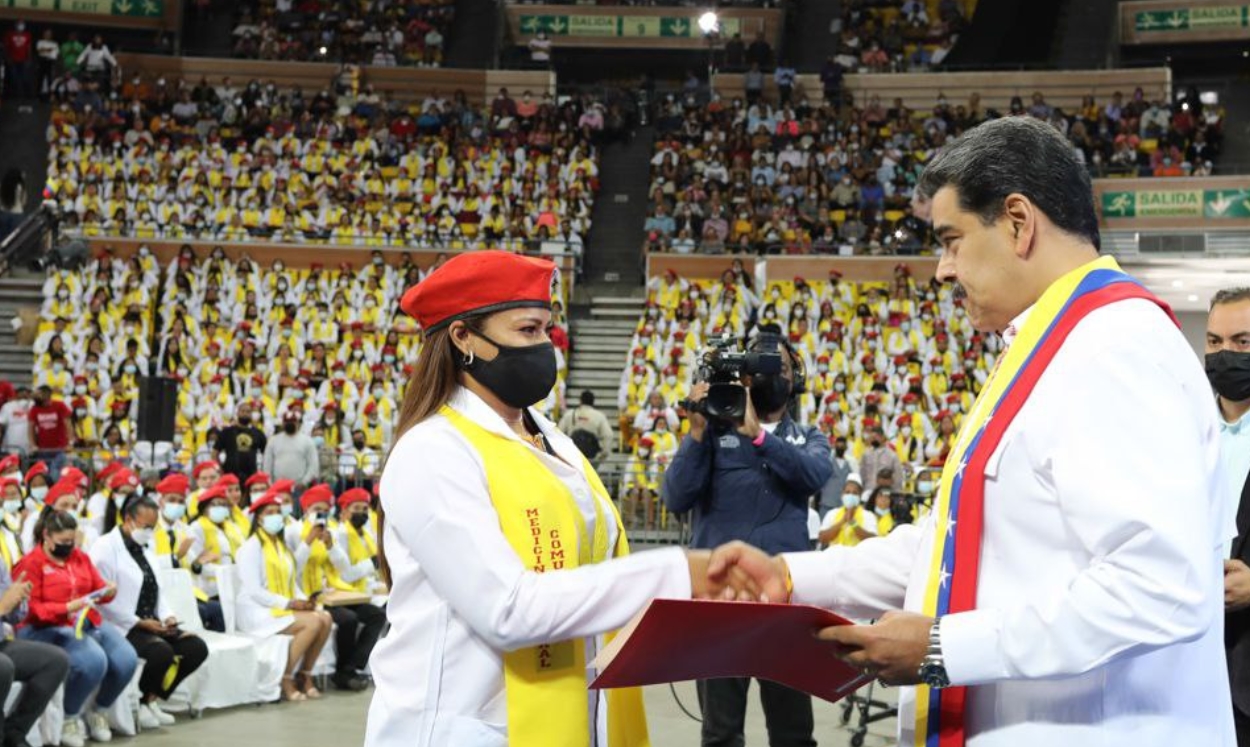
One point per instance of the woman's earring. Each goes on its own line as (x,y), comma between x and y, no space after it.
(468,359)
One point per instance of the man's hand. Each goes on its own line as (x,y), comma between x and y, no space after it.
(750,421)
(754,569)
(734,585)
(209,557)
(1236,585)
(891,650)
(698,423)
(184,547)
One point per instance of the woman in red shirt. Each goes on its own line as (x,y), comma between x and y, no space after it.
(64,582)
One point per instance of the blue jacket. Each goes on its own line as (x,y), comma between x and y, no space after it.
(738,491)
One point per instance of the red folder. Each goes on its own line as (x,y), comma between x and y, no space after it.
(673,640)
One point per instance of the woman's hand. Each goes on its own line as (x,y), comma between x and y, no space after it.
(300,605)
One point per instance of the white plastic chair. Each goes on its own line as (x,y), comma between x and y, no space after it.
(271,651)
(227,678)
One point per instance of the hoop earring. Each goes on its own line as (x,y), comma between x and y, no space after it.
(468,359)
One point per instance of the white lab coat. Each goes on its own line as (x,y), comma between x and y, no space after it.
(339,558)
(207,580)
(1099,615)
(115,564)
(460,596)
(253,613)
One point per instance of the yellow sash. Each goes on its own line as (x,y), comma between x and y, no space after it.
(213,544)
(360,546)
(545,685)
(164,548)
(278,569)
(318,567)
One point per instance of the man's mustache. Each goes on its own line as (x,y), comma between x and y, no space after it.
(959,293)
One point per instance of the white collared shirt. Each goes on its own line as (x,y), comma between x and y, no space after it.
(460,596)
(1099,615)
(1235,460)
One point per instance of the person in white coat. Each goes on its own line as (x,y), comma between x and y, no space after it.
(271,602)
(126,558)
(494,618)
(1078,529)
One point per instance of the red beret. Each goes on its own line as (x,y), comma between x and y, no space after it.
(211,494)
(122,478)
(483,281)
(75,476)
(199,468)
(36,469)
(355,495)
(226,480)
(282,486)
(268,499)
(12,461)
(259,477)
(104,474)
(316,494)
(61,489)
(6,482)
(175,484)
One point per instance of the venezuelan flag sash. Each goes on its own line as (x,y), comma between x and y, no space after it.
(952,585)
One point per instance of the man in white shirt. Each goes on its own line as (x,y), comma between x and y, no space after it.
(15,438)
(1093,613)
(1228,368)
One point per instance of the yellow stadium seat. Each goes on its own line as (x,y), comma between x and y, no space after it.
(894,215)
(390,172)
(1149,145)
(837,216)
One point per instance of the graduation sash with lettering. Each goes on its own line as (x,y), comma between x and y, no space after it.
(545,685)
(952,584)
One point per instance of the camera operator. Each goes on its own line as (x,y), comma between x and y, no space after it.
(750,480)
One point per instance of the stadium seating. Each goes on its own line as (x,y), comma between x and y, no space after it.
(328,343)
(215,162)
(874,352)
(411,32)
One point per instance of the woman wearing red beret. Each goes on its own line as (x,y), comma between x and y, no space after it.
(504,551)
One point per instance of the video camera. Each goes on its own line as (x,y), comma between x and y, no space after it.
(722,367)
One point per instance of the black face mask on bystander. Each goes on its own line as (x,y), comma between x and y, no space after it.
(1229,374)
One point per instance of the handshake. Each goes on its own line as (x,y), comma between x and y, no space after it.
(890,649)
(738,572)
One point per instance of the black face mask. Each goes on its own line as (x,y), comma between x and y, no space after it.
(840,449)
(360,445)
(289,428)
(519,375)
(359,520)
(769,393)
(61,551)
(1229,374)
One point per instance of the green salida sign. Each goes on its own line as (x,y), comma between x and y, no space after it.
(640,26)
(1200,18)
(1177,203)
(130,8)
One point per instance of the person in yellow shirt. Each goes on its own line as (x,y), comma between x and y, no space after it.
(851,523)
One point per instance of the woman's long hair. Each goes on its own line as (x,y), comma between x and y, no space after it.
(434,379)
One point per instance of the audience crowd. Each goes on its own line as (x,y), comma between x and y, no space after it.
(175,159)
(888,379)
(801,176)
(407,32)
(896,35)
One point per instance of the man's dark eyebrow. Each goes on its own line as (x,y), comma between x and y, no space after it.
(943,229)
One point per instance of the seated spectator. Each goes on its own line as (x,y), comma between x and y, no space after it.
(66,593)
(332,559)
(271,602)
(125,558)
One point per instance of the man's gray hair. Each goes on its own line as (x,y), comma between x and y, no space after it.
(1230,295)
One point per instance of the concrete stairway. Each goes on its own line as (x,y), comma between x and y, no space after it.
(16,292)
(601,347)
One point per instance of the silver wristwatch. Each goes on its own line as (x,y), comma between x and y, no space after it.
(933,666)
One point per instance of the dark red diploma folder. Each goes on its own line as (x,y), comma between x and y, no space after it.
(673,640)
